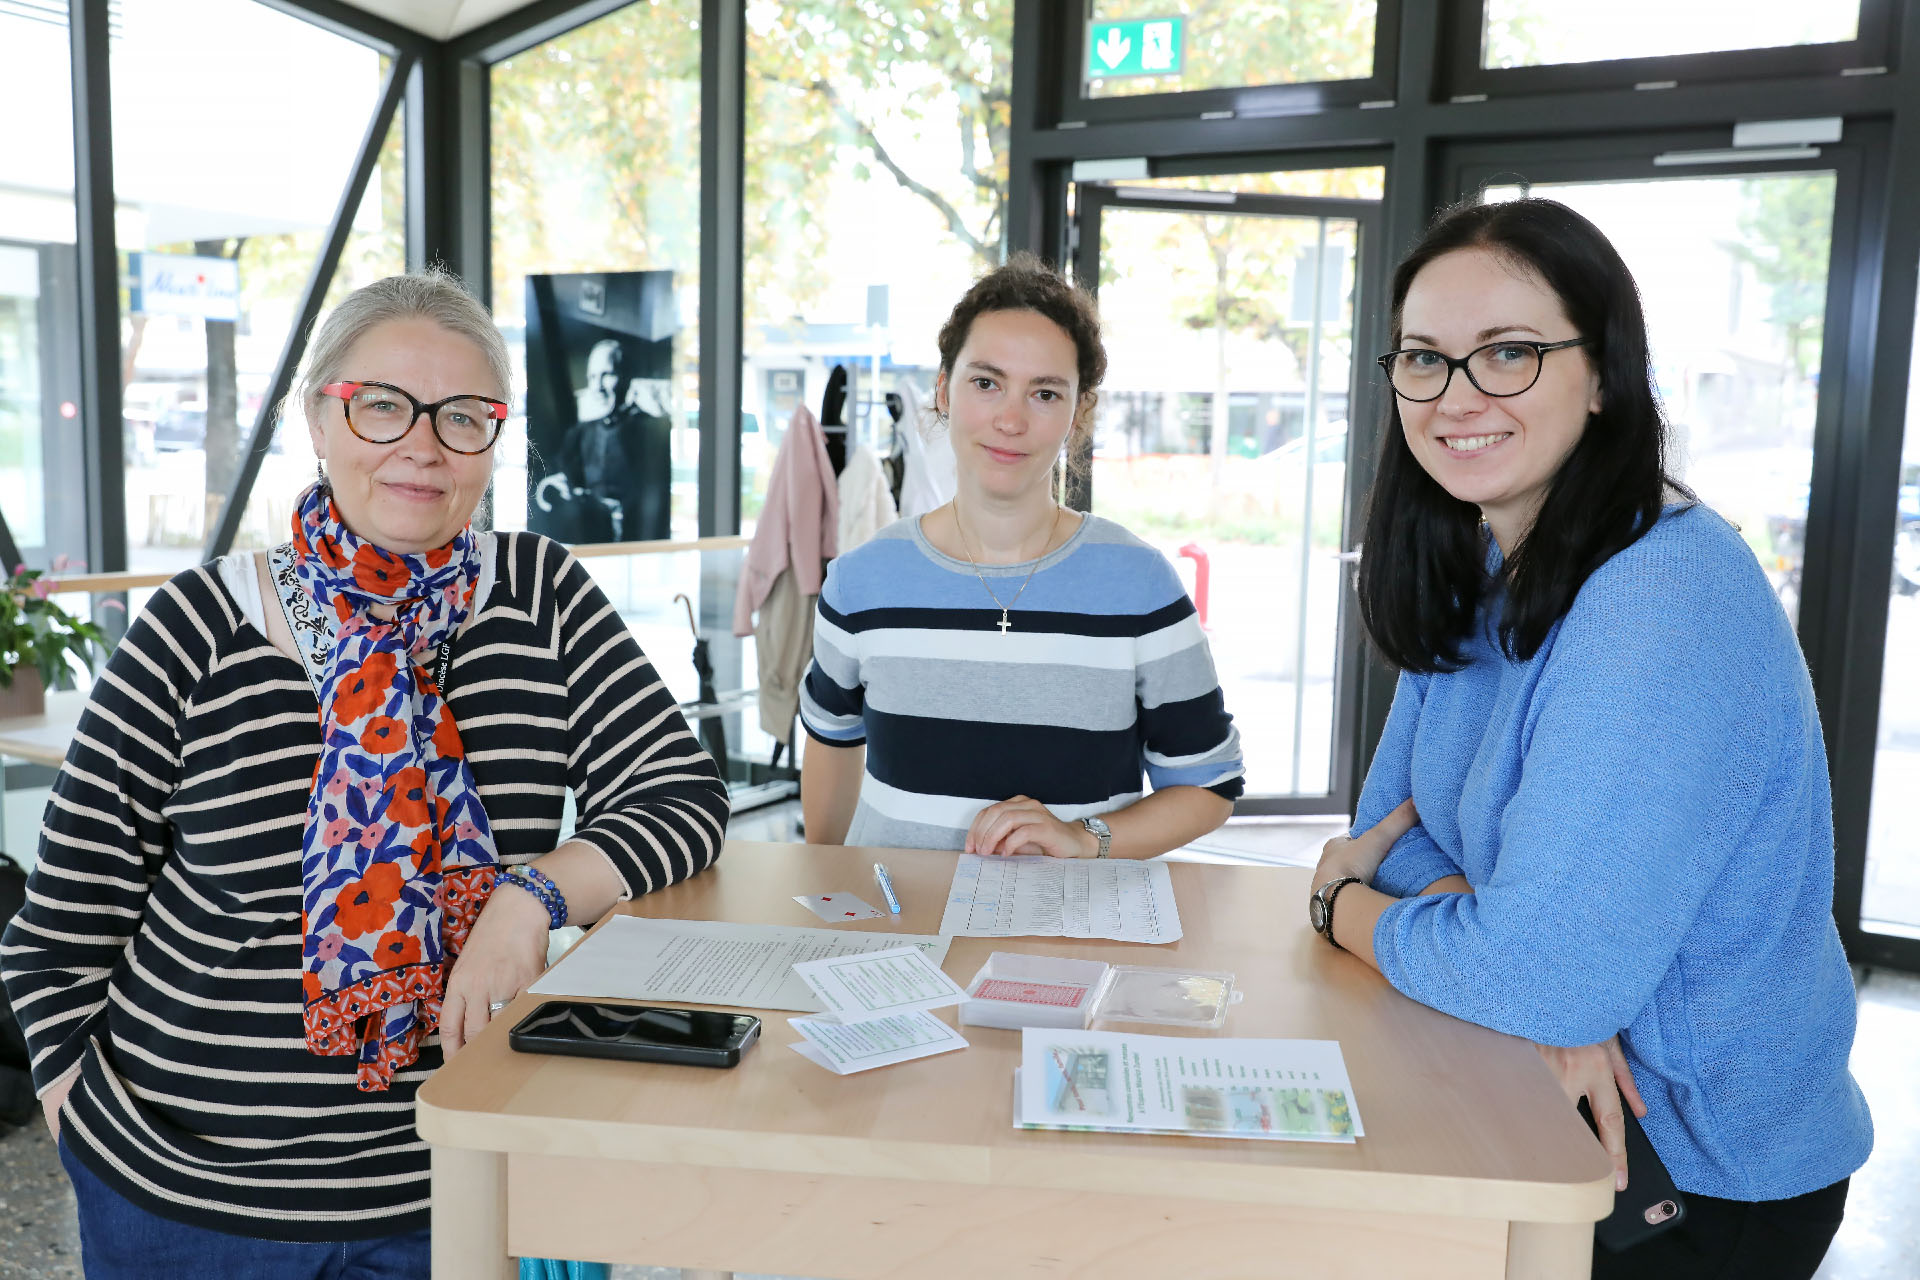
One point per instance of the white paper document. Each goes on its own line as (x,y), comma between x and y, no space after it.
(880,984)
(880,1042)
(712,961)
(1102,1080)
(1124,900)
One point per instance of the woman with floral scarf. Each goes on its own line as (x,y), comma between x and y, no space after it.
(304,843)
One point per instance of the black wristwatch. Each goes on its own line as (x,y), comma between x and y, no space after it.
(1320,906)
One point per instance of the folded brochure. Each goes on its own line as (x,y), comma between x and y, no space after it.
(880,1042)
(878,984)
(1215,1088)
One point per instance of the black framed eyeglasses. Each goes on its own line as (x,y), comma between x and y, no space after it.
(381,413)
(1505,368)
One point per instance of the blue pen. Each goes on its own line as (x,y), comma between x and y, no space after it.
(886,886)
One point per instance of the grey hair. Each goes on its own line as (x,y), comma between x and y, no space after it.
(434,294)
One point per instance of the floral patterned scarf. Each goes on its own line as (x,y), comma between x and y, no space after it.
(397,856)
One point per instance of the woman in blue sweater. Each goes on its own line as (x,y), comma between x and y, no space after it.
(1599,816)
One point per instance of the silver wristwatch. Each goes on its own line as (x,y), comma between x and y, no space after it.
(1101,831)
(1320,907)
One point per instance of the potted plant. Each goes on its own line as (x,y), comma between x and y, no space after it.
(38,641)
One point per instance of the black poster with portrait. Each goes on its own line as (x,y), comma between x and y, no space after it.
(600,405)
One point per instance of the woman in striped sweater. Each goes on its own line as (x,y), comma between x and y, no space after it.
(995,676)
(304,842)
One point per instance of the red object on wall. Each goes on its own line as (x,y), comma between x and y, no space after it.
(1201,572)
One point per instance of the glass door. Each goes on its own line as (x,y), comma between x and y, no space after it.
(1890,890)
(1222,438)
(1750,277)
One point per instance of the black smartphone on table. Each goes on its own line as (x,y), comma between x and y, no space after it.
(636,1033)
(1650,1204)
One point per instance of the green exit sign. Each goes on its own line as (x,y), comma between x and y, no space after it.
(1141,47)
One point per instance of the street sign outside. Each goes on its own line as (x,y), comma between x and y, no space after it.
(1141,47)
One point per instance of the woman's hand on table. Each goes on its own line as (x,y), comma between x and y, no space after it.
(1600,1074)
(505,952)
(1023,825)
(1362,855)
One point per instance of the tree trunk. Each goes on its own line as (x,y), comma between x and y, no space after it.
(223,399)
(136,333)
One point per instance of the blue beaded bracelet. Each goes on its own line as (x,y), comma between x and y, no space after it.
(542,887)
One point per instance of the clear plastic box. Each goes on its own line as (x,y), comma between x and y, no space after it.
(1195,999)
(1014,990)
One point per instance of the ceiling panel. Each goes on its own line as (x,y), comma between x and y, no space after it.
(441,19)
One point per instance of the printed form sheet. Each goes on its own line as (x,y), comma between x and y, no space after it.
(712,962)
(1123,900)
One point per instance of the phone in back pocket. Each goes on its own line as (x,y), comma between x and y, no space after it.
(1650,1204)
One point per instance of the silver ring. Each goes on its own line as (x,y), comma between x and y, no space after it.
(497,1006)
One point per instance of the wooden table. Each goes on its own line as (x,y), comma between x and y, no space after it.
(1473,1164)
(41,739)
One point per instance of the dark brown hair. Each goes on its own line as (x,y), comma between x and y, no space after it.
(1424,577)
(1026,283)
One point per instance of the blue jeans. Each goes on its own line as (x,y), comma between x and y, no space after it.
(119,1240)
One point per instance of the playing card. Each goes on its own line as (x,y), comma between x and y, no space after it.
(836,907)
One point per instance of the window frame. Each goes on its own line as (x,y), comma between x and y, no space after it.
(1462,78)
(1068,36)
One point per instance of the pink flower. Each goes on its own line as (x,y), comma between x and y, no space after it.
(371,835)
(111,603)
(329,948)
(336,833)
(369,787)
(466,831)
(337,784)
(43,588)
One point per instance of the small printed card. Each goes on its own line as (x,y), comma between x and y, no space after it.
(879,984)
(880,1042)
(1065,995)
(836,907)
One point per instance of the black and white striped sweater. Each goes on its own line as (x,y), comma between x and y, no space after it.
(160,943)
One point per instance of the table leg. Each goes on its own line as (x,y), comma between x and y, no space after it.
(1549,1250)
(469,1216)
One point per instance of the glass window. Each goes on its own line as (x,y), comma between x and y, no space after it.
(39,350)
(1890,902)
(876,192)
(376,247)
(1531,33)
(1733,275)
(226,177)
(1225,44)
(1361,183)
(596,277)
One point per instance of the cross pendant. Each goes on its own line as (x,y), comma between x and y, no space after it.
(1004,624)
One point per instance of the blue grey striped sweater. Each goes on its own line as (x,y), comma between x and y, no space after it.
(1104,673)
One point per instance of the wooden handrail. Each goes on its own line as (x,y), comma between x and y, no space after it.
(97,583)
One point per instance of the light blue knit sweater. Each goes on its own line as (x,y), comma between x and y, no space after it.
(1643,812)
